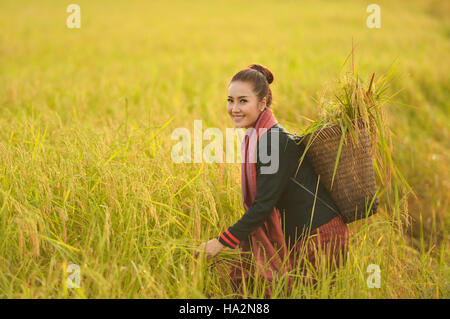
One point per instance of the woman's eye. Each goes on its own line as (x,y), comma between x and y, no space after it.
(243,101)
(230,100)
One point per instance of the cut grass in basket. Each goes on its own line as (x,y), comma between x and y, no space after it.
(354,114)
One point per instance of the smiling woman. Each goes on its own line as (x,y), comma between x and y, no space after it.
(279,215)
(249,94)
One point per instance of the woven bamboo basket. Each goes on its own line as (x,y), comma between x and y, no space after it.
(354,186)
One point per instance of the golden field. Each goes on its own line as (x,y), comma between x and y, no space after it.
(86,115)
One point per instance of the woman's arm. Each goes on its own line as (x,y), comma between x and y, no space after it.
(270,187)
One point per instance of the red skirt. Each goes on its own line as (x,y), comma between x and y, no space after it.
(329,240)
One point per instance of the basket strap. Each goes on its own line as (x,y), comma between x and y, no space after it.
(323,202)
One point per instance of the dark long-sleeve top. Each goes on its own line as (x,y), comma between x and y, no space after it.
(278,190)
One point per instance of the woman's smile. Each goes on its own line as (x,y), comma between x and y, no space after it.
(237,118)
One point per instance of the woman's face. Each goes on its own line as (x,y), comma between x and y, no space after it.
(243,105)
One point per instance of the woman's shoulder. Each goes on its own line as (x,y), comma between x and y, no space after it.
(282,147)
(277,135)
(287,139)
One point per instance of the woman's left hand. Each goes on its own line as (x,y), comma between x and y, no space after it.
(212,247)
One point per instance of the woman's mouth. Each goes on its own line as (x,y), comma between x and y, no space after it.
(237,117)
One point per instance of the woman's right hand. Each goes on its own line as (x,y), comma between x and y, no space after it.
(211,248)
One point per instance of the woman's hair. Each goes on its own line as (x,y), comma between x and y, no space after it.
(260,77)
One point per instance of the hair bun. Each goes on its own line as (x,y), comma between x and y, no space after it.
(265,71)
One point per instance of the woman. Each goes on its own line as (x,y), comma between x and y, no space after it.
(279,213)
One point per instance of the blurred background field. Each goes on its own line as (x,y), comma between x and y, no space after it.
(86,115)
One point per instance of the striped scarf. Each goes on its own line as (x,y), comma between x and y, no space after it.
(267,242)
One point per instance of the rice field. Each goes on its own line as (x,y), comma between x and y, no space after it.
(86,116)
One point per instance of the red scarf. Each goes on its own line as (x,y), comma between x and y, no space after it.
(267,242)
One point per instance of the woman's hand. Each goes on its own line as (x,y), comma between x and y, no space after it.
(212,248)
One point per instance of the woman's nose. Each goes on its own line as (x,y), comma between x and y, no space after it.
(234,107)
